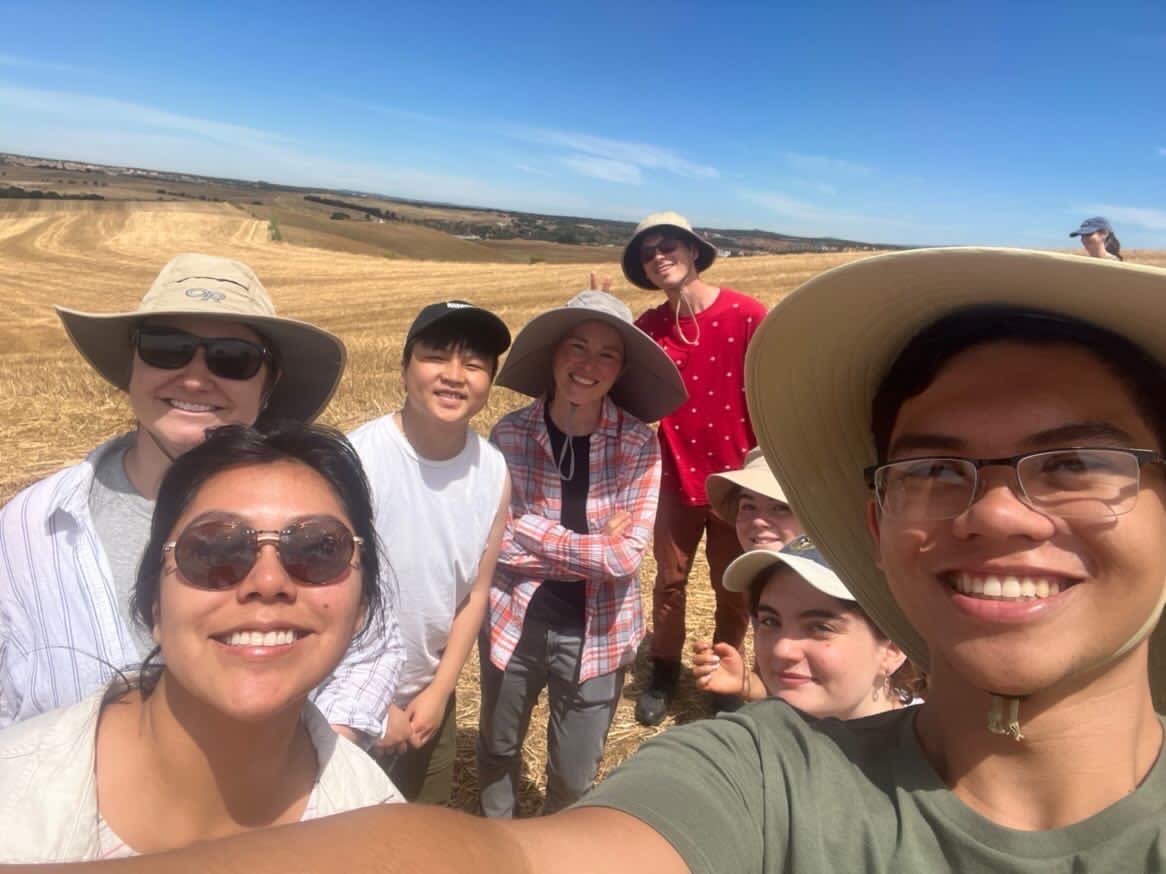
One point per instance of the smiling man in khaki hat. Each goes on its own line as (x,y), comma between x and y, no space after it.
(705,330)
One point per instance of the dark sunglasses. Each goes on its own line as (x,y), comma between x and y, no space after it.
(226,357)
(664,247)
(220,553)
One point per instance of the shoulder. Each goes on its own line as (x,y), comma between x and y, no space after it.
(517,423)
(371,433)
(653,316)
(349,778)
(37,503)
(55,730)
(747,306)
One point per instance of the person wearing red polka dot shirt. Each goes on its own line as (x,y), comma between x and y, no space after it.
(705,331)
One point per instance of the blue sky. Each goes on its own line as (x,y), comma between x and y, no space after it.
(996,123)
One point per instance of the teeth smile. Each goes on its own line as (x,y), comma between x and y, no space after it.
(1007,588)
(191,407)
(284,637)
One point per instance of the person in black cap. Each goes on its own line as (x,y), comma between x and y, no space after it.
(441,496)
(1098,238)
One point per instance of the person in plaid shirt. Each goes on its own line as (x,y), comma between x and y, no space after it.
(564,609)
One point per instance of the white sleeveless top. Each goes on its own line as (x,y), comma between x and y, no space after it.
(433,519)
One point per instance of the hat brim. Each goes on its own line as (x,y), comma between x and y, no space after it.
(742,571)
(311,360)
(722,490)
(815,430)
(633,267)
(649,387)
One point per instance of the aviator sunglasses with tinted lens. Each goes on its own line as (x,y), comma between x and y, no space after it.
(226,357)
(664,247)
(220,553)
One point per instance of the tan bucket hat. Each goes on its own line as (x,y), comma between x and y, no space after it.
(836,336)
(755,476)
(633,268)
(650,386)
(310,359)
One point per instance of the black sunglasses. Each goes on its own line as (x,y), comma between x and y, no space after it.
(226,357)
(664,247)
(219,553)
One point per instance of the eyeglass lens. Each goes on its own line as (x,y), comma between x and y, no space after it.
(1072,483)
(218,554)
(226,357)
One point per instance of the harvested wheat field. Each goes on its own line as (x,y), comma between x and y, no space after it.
(102,256)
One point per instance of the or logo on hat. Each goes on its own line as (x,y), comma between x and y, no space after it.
(457,304)
(208,295)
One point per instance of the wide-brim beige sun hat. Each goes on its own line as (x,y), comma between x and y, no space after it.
(723,489)
(633,267)
(310,359)
(800,555)
(835,337)
(649,387)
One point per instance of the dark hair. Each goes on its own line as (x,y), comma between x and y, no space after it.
(934,347)
(1113,246)
(906,684)
(323,449)
(450,335)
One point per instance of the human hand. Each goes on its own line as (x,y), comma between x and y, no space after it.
(618,523)
(397,732)
(599,283)
(718,668)
(425,713)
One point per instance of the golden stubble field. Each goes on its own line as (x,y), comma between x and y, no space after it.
(101,257)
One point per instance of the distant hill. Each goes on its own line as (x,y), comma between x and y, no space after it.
(463,232)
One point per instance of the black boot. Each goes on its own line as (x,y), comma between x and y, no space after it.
(653,702)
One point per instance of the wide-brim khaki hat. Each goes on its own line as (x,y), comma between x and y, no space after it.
(649,387)
(310,359)
(633,267)
(799,555)
(833,340)
(723,488)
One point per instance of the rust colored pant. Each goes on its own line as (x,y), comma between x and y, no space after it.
(678,531)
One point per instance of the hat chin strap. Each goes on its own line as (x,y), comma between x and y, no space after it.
(1004,710)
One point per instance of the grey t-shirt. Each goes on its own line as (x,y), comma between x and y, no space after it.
(122,518)
(765,790)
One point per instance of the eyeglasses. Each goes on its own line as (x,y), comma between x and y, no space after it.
(1081,483)
(219,553)
(226,357)
(664,247)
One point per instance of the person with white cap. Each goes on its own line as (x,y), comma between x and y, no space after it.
(752,501)
(565,611)
(705,330)
(815,647)
(988,478)
(204,348)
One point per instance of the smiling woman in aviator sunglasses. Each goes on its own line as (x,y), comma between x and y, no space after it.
(260,568)
(203,349)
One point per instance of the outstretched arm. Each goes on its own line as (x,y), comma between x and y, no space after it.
(407,838)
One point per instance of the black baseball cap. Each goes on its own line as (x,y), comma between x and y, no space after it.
(489,332)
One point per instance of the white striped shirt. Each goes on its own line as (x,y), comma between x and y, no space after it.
(62,631)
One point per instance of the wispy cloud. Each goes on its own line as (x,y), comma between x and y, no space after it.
(108,111)
(40,66)
(1142,217)
(798,210)
(826,166)
(603,168)
(1162,151)
(816,187)
(369,107)
(528,168)
(639,156)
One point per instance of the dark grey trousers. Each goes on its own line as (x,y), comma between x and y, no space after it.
(580,715)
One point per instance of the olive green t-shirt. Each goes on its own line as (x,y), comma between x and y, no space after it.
(766,790)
